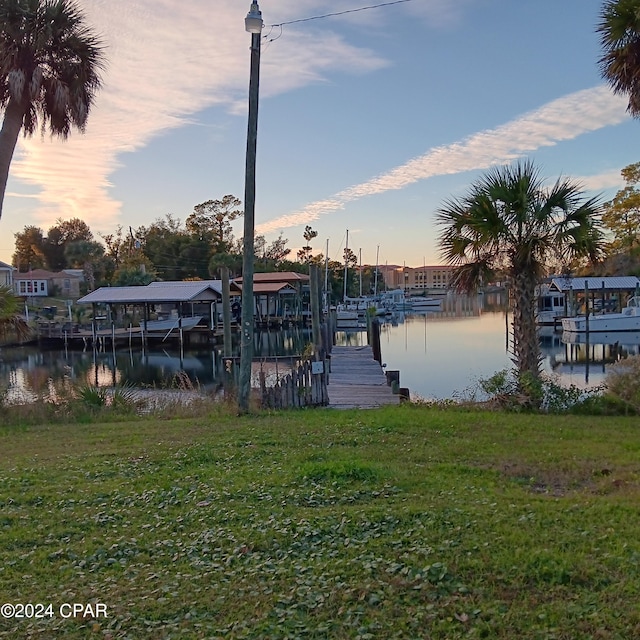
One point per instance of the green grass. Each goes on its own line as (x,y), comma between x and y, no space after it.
(405,522)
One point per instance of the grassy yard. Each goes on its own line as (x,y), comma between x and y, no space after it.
(404,522)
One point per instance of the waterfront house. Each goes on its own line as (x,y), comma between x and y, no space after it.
(40,283)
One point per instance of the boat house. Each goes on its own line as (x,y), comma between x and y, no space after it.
(562,296)
(280,297)
(164,305)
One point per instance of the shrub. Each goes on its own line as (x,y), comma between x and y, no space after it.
(623,382)
(506,390)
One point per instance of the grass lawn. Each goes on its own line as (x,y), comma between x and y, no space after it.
(403,522)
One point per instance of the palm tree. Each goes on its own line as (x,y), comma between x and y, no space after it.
(49,72)
(619,30)
(510,223)
(11,322)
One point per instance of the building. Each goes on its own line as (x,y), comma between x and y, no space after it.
(417,279)
(40,283)
(281,295)
(6,275)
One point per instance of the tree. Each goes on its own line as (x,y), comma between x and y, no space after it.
(63,233)
(132,275)
(29,249)
(304,254)
(86,255)
(619,30)
(49,72)
(509,221)
(162,243)
(211,220)
(622,214)
(269,257)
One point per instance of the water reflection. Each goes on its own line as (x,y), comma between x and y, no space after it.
(440,354)
(27,373)
(444,354)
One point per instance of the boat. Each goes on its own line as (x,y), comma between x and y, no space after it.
(171,324)
(421,304)
(627,320)
(550,306)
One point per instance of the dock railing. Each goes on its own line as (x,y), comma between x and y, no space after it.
(304,386)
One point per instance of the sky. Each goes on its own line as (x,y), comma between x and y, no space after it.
(368,121)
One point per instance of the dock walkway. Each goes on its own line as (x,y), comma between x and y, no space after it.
(357,380)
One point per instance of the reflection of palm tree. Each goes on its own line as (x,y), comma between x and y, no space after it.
(49,63)
(510,223)
(11,322)
(619,30)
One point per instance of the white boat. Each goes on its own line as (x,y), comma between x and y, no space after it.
(419,304)
(171,324)
(550,306)
(627,320)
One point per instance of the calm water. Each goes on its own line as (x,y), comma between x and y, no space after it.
(439,355)
(444,354)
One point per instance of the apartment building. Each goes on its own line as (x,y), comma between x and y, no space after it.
(415,279)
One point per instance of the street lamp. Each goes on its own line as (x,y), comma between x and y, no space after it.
(253,24)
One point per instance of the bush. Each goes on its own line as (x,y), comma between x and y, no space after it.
(623,382)
(512,392)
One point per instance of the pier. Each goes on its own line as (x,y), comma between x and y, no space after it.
(357,381)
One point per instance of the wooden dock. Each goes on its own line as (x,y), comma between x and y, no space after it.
(357,380)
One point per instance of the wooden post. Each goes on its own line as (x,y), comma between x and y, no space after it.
(314,282)
(226,312)
(375,340)
(586,305)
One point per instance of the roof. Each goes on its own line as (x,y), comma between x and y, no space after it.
(42,274)
(191,291)
(216,285)
(278,276)
(4,265)
(610,283)
(265,288)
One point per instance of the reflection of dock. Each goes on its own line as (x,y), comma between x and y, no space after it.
(56,334)
(357,380)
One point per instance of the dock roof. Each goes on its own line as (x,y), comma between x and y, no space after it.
(268,288)
(278,276)
(156,292)
(595,283)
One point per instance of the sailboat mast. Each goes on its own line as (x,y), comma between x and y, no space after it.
(326,277)
(375,277)
(360,252)
(346,254)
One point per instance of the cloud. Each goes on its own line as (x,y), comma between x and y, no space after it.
(560,120)
(602,181)
(165,63)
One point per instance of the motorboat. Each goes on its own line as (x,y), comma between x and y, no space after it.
(424,304)
(627,320)
(550,307)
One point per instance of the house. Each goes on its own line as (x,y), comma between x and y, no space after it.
(41,283)
(6,275)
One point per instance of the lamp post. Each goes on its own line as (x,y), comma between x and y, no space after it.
(253,24)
